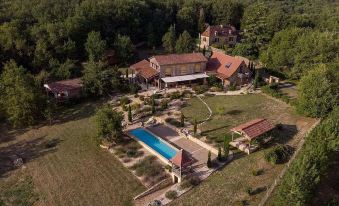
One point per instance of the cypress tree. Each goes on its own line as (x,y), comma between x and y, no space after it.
(195,128)
(209,161)
(182,120)
(153,105)
(219,154)
(129,113)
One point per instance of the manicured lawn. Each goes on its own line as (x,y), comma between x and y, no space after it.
(229,185)
(72,170)
(229,111)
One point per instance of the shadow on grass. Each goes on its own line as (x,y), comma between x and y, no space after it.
(75,112)
(283,133)
(213,130)
(234,112)
(27,150)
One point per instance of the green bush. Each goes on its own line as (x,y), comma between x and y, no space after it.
(124,101)
(249,190)
(278,154)
(171,194)
(232,87)
(173,122)
(134,88)
(200,89)
(175,95)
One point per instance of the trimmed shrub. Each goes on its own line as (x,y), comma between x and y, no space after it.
(171,194)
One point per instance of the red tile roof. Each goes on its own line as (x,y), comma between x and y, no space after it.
(223,64)
(219,30)
(182,159)
(65,85)
(148,72)
(254,128)
(180,58)
(142,64)
(143,69)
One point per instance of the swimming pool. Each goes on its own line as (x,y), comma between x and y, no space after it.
(155,143)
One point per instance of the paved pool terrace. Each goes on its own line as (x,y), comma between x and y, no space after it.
(197,152)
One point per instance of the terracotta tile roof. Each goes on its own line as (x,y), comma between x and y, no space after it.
(223,64)
(148,72)
(65,85)
(142,64)
(180,58)
(143,69)
(219,31)
(182,159)
(254,128)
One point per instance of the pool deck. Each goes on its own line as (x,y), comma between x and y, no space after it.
(197,152)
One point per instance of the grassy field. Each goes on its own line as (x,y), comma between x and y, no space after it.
(64,166)
(229,185)
(229,111)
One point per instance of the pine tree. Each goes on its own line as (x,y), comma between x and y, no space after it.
(168,40)
(129,113)
(95,46)
(201,21)
(185,43)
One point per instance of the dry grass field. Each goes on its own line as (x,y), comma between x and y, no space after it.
(63,165)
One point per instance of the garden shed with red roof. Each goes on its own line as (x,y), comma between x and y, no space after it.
(250,131)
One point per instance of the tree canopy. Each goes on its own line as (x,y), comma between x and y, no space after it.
(109,123)
(318,91)
(18,95)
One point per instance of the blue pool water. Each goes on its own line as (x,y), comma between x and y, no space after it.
(154,142)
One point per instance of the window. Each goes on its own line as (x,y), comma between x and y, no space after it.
(204,39)
(168,71)
(183,70)
(197,68)
(216,40)
(230,38)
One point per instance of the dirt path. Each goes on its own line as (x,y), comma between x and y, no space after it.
(209,109)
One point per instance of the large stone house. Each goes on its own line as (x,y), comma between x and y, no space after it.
(171,70)
(218,35)
(230,70)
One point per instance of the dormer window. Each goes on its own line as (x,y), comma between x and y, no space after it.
(228,64)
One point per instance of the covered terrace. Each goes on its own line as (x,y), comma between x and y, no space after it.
(185,79)
(257,129)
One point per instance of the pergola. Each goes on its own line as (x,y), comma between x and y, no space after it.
(250,131)
(180,162)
